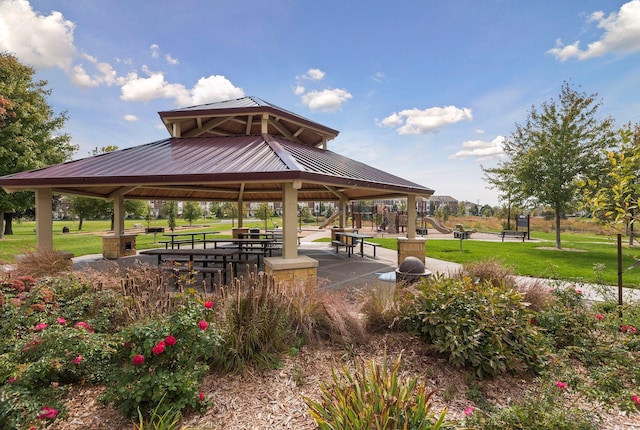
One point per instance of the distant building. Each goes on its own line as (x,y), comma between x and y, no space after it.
(436,202)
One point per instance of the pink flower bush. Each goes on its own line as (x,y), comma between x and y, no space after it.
(61,321)
(48,413)
(561,385)
(203,324)
(77,360)
(170,340)
(138,359)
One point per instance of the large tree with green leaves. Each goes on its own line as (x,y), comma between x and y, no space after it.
(502,179)
(30,136)
(613,195)
(191,211)
(560,143)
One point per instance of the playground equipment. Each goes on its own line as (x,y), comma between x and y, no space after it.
(330,220)
(435,224)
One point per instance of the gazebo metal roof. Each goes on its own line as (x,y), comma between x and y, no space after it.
(240,150)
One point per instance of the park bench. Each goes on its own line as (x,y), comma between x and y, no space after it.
(179,242)
(347,246)
(513,234)
(374,245)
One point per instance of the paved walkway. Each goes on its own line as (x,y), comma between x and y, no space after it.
(341,273)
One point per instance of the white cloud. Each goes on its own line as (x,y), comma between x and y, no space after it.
(155,51)
(313,75)
(378,77)
(215,88)
(481,150)
(326,100)
(299,90)
(139,89)
(621,35)
(171,60)
(416,121)
(37,40)
(130,118)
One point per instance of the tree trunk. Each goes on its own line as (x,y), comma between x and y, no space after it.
(1,225)
(80,224)
(631,238)
(8,219)
(558,245)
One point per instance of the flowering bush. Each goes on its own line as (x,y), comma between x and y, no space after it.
(164,357)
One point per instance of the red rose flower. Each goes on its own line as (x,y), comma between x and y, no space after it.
(48,413)
(62,321)
(77,360)
(138,359)
(203,324)
(41,326)
(636,400)
(561,385)
(170,340)
(158,349)
(202,396)
(208,304)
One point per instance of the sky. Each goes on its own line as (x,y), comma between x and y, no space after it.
(423,89)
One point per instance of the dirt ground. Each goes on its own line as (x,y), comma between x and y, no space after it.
(274,399)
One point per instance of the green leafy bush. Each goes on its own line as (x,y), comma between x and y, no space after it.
(542,408)
(481,325)
(374,397)
(164,358)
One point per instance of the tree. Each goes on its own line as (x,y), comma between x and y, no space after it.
(556,147)
(191,211)
(170,211)
(503,179)
(91,208)
(30,135)
(613,195)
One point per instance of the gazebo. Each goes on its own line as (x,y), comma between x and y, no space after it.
(242,150)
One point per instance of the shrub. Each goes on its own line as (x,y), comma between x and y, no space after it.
(374,397)
(164,358)
(480,325)
(541,409)
(487,271)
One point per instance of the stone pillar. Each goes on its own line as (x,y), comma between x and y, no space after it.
(411,216)
(411,247)
(289,220)
(44,218)
(240,213)
(290,270)
(118,215)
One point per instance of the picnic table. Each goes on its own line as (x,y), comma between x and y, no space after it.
(198,257)
(189,237)
(246,246)
(351,241)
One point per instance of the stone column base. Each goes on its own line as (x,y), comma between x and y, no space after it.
(300,269)
(411,248)
(118,246)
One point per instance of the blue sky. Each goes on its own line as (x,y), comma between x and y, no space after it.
(424,89)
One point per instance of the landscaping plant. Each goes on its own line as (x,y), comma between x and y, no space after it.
(375,397)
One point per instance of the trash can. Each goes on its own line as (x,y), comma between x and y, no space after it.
(254,233)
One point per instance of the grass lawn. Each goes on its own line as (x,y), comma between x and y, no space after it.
(581,254)
(89,240)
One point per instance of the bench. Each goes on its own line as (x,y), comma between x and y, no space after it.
(348,246)
(374,245)
(153,229)
(422,230)
(513,234)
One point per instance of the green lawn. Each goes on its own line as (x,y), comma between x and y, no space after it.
(576,262)
(89,240)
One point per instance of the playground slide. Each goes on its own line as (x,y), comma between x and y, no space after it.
(441,228)
(329,220)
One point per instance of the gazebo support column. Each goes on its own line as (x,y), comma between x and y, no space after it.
(44,218)
(411,246)
(291,267)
